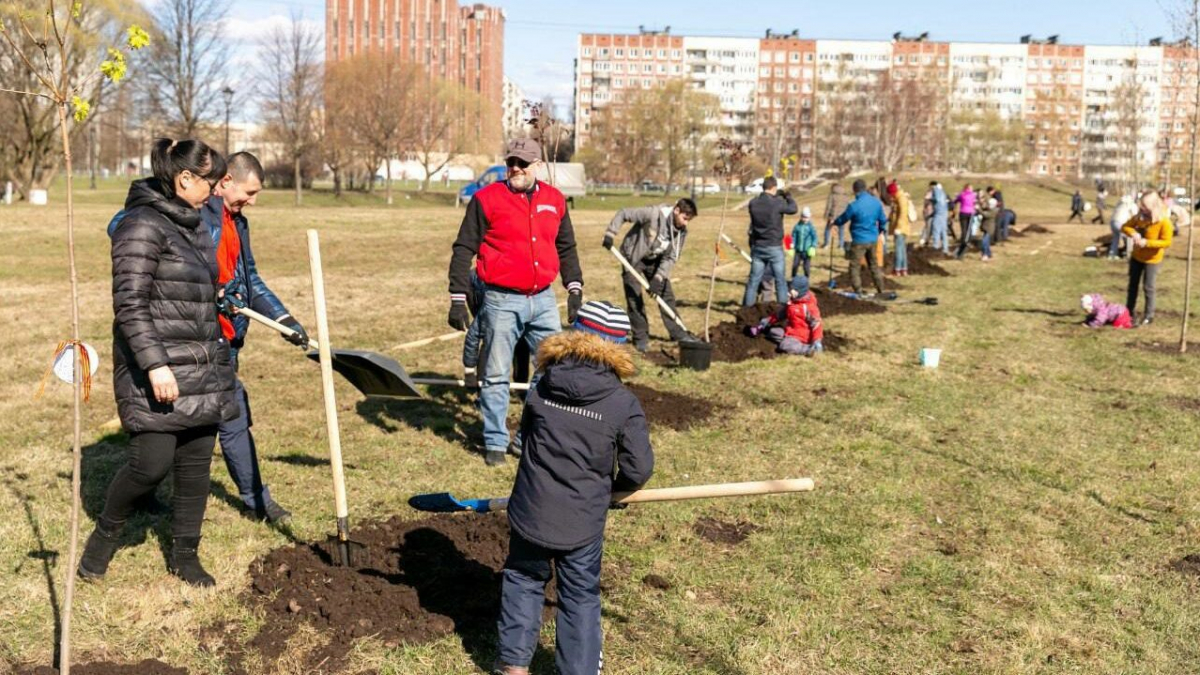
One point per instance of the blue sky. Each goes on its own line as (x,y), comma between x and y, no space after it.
(541,35)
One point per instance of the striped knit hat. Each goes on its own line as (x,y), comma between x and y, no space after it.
(603,319)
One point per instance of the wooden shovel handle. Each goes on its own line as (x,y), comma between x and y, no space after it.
(736,247)
(646,285)
(762,487)
(271,323)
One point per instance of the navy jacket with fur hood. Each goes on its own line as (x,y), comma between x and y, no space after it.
(584,435)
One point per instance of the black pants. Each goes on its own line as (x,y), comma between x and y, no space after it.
(1075,213)
(635,305)
(1147,275)
(151,456)
(964,226)
(802,258)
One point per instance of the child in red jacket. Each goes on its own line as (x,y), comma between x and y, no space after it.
(802,331)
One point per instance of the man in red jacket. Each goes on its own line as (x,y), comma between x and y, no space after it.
(519,234)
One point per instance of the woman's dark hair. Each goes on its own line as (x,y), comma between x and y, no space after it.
(170,158)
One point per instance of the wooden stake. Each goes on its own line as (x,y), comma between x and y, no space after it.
(331,425)
(712,277)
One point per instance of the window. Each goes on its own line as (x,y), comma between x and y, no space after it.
(808,57)
(899,60)
(587,51)
(620,53)
(604,52)
(794,57)
(662,53)
(780,56)
(674,53)
(648,68)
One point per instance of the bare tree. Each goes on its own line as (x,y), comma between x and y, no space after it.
(376,92)
(290,72)
(904,107)
(439,129)
(187,61)
(685,117)
(1186,17)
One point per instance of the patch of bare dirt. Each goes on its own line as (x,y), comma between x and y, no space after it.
(723,532)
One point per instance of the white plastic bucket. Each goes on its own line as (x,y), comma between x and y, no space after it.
(930,357)
(38,197)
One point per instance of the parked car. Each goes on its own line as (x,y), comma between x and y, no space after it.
(708,189)
(569,178)
(647,186)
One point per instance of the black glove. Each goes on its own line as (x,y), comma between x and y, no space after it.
(657,285)
(574,301)
(460,318)
(229,299)
(608,241)
(300,337)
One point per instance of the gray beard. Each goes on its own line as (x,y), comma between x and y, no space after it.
(521,183)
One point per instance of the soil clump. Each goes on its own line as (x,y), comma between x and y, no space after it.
(412,582)
(1189,564)
(922,261)
(146,667)
(657,582)
(1035,229)
(1169,348)
(675,411)
(723,532)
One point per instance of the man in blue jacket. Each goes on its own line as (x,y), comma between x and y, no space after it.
(224,215)
(867,220)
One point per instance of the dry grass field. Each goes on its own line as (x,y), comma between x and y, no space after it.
(1028,507)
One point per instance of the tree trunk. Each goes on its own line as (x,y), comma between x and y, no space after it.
(712,277)
(296,176)
(77,439)
(1187,274)
(388,163)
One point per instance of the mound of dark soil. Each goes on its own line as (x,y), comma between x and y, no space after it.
(413,582)
(1169,348)
(147,667)
(1035,229)
(676,411)
(723,532)
(732,345)
(657,582)
(835,304)
(922,261)
(1189,564)
(889,283)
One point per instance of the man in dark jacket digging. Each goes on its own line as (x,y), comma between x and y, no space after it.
(652,246)
(766,239)
(579,422)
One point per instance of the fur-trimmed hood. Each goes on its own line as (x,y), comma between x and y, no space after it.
(575,345)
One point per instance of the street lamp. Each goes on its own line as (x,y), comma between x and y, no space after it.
(227,92)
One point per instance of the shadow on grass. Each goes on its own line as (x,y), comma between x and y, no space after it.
(1037,310)
(47,558)
(448,412)
(297,459)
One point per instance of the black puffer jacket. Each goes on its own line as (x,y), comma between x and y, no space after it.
(164,287)
(579,427)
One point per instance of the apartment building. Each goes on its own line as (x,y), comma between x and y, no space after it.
(609,66)
(462,44)
(1064,107)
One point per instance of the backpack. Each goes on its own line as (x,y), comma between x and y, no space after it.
(912,210)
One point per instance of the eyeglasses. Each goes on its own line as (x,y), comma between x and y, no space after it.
(516,163)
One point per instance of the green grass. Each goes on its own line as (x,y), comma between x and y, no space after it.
(1014,511)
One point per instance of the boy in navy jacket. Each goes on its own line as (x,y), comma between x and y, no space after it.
(579,422)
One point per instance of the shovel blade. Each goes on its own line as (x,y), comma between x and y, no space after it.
(373,374)
(444,502)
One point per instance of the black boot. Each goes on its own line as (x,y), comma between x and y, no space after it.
(185,562)
(98,552)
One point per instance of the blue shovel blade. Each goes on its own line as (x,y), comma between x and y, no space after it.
(444,502)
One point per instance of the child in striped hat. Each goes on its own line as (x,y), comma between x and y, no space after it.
(579,422)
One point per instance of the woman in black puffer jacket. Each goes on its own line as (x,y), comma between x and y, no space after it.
(171,369)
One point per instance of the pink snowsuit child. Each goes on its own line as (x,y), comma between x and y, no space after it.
(1102,313)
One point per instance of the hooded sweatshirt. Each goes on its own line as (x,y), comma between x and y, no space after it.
(966,201)
(579,423)
(1105,313)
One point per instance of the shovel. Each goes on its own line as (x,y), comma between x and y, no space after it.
(646,285)
(373,374)
(444,502)
(727,240)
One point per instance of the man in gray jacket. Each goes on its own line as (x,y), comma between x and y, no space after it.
(652,246)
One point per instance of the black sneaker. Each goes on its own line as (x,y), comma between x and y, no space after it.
(494,458)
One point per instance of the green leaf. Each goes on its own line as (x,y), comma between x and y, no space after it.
(115,67)
(137,37)
(82,108)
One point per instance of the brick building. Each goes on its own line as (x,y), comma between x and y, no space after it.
(462,44)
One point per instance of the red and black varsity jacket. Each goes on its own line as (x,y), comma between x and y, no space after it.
(521,240)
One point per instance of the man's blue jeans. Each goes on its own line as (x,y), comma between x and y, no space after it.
(507,318)
(577,631)
(241,454)
(760,257)
(841,234)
